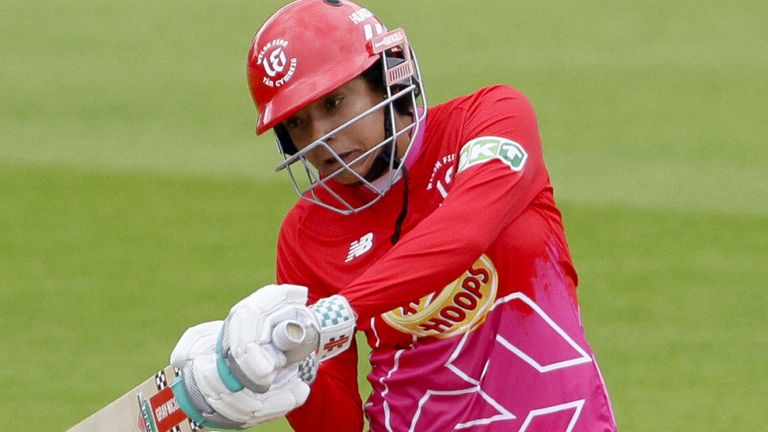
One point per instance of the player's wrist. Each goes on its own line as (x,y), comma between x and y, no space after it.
(336,322)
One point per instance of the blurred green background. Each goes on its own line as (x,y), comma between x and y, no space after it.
(135,199)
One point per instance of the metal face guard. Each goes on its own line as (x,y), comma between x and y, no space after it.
(306,179)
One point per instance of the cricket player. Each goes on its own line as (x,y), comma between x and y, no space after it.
(431,229)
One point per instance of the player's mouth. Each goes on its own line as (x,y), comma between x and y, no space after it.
(332,164)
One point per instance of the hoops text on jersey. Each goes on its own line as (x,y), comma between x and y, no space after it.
(458,308)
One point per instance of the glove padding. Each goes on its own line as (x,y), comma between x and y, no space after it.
(246,343)
(219,407)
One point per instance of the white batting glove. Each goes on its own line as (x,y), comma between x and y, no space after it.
(247,347)
(205,398)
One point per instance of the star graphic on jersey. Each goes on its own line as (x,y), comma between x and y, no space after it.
(451,386)
(465,380)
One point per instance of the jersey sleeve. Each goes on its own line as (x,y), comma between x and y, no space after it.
(499,173)
(334,403)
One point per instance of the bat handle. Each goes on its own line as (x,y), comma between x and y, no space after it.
(288,335)
(296,340)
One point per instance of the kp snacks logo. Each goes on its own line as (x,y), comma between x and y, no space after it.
(279,69)
(458,308)
(484,149)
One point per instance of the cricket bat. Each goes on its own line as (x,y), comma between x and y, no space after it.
(156,404)
(149,407)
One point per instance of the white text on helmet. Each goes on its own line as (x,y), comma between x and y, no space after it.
(360,16)
(277,42)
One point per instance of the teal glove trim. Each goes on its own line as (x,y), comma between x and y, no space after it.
(180,394)
(225,373)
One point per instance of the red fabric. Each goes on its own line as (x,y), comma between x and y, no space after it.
(483,199)
(334,403)
(490,208)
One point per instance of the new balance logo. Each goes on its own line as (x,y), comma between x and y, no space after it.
(360,247)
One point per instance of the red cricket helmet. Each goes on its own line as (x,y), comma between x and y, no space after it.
(305,50)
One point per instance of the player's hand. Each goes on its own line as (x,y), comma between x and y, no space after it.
(209,402)
(247,347)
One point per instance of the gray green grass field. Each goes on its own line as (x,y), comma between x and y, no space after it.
(136,201)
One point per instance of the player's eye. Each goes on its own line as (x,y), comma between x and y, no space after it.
(292,123)
(333,102)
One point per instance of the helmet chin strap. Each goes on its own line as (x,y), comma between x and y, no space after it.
(389,151)
(382,165)
(403,210)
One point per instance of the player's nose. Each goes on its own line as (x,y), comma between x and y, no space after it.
(320,130)
(327,147)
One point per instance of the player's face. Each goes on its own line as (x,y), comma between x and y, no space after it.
(328,113)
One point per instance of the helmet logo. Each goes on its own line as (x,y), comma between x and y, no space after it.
(278,68)
(276,62)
